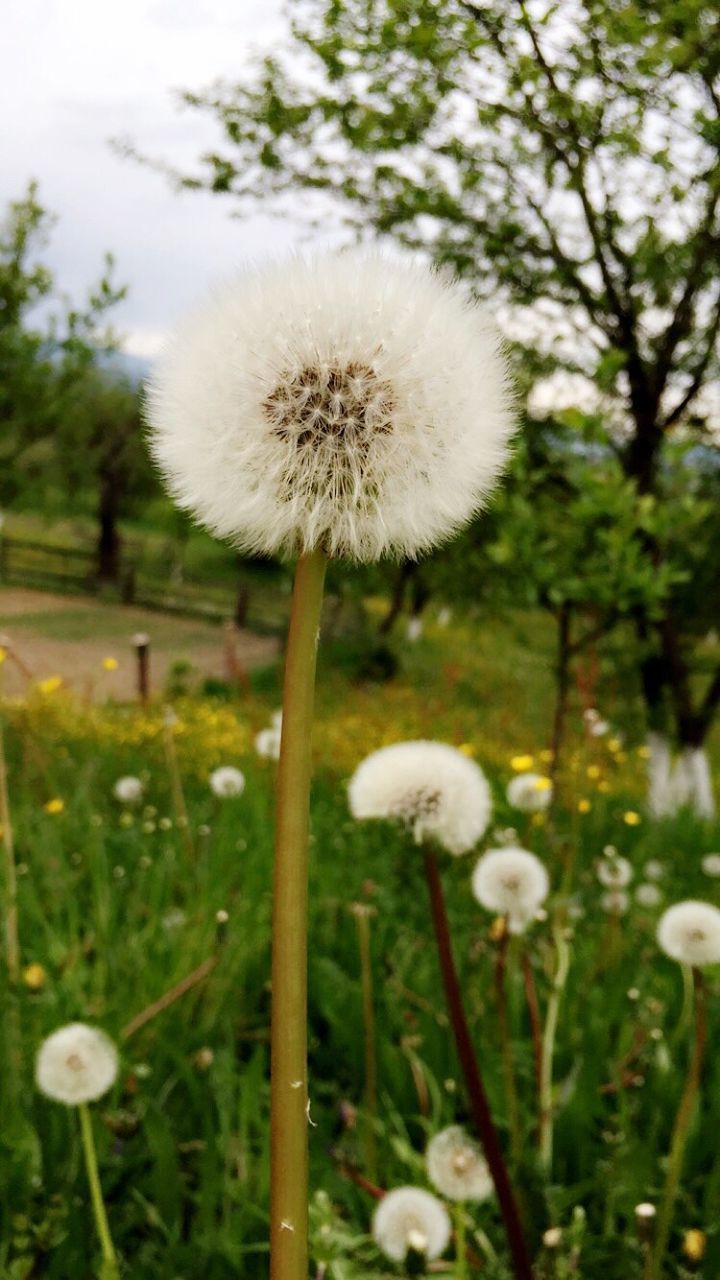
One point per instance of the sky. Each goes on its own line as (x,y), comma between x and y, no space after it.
(76,73)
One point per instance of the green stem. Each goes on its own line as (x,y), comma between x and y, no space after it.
(681,1129)
(288,1034)
(506,1053)
(460,1241)
(110,1269)
(182,820)
(12,946)
(545,1128)
(361,913)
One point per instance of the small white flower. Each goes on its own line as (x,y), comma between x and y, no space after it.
(410,1218)
(128,790)
(690,932)
(352,402)
(76,1064)
(648,895)
(414,629)
(614,873)
(444,617)
(615,902)
(267,744)
(457,1167)
(711,864)
(512,882)
(434,789)
(529,792)
(594,723)
(654,870)
(227,781)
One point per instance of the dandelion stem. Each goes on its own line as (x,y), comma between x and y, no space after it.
(181,813)
(545,1129)
(681,1128)
(12,945)
(501,958)
(471,1072)
(534,1015)
(361,913)
(288,1035)
(460,1242)
(169,997)
(110,1266)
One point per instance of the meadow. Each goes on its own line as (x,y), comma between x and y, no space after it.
(119,904)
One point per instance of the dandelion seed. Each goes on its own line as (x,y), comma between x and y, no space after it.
(614,873)
(511,881)
(529,792)
(352,403)
(128,790)
(227,782)
(436,791)
(409,1218)
(76,1064)
(690,933)
(457,1167)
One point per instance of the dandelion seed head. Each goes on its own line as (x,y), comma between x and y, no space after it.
(711,865)
(615,902)
(456,1165)
(128,790)
(690,933)
(529,792)
(407,1217)
(267,744)
(654,870)
(227,781)
(351,402)
(648,895)
(615,872)
(512,882)
(435,790)
(76,1064)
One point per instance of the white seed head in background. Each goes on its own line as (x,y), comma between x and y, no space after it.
(351,402)
(457,1167)
(654,870)
(690,932)
(511,882)
(435,790)
(76,1064)
(711,865)
(615,902)
(648,895)
(128,790)
(614,873)
(227,781)
(267,744)
(529,792)
(410,1218)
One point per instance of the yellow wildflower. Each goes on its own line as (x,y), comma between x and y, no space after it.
(521,763)
(694,1242)
(467,748)
(584,806)
(546,756)
(498,929)
(3,654)
(538,819)
(614,744)
(603,786)
(593,771)
(110,664)
(644,753)
(34,977)
(631,818)
(50,685)
(54,806)
(542,784)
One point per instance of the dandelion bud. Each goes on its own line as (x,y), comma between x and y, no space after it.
(407,1215)
(435,790)
(76,1064)
(354,403)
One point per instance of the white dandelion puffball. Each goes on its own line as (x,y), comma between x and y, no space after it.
(648,895)
(690,932)
(457,1167)
(433,788)
(614,873)
(529,792)
(267,744)
(410,1218)
(128,790)
(353,403)
(227,781)
(654,870)
(711,864)
(615,902)
(511,882)
(76,1064)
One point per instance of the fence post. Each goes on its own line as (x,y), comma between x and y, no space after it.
(142,650)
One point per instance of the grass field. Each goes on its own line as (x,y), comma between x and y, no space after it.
(117,905)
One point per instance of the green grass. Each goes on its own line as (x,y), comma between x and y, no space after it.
(117,914)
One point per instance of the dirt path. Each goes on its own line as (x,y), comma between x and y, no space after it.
(79,639)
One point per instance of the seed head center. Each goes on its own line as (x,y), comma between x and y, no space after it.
(341,402)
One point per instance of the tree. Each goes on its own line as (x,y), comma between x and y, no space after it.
(566,160)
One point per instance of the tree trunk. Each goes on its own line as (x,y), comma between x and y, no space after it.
(109,542)
(404,576)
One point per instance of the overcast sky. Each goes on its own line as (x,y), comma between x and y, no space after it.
(75,73)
